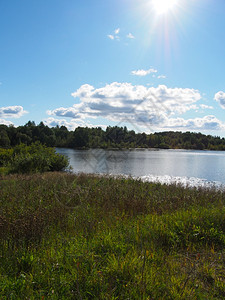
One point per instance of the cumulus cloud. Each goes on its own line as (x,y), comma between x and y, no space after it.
(12,112)
(220,98)
(71,124)
(71,112)
(206,123)
(143,72)
(134,104)
(125,97)
(130,36)
(151,108)
(116,31)
(4,122)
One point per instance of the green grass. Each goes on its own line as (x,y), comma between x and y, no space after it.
(66,236)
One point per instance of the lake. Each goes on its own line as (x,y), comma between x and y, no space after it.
(188,167)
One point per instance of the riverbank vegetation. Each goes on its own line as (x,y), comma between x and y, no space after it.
(112,137)
(67,236)
(34,158)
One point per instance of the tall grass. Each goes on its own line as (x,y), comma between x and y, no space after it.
(67,236)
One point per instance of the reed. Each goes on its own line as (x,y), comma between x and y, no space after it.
(66,236)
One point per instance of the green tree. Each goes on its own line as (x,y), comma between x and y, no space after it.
(4,139)
(80,138)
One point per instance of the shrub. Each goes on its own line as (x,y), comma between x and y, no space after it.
(32,159)
(5,156)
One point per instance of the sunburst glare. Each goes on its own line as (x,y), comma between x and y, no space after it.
(163,6)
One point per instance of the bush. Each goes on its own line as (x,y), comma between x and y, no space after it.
(32,159)
(5,156)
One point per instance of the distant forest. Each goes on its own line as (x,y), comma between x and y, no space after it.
(112,137)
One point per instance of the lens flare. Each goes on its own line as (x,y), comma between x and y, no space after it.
(163,6)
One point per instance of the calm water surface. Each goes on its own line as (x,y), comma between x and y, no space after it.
(184,166)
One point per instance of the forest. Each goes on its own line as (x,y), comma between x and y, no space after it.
(112,137)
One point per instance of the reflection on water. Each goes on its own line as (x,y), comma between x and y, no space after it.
(162,165)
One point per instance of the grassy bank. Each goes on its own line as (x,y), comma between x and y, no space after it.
(65,236)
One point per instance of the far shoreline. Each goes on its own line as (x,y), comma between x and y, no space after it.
(138,149)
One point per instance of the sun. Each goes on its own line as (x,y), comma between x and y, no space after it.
(163,6)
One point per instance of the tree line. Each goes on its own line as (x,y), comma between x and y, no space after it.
(111,137)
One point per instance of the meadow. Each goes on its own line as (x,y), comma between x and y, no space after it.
(67,236)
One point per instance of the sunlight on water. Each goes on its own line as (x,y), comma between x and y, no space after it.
(183,181)
(186,168)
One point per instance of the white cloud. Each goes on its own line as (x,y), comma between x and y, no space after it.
(151,108)
(71,125)
(220,98)
(71,112)
(161,77)
(204,106)
(134,104)
(12,112)
(111,36)
(143,72)
(130,36)
(4,122)
(205,123)
(114,36)
(125,97)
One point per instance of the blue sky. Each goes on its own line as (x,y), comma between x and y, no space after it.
(114,62)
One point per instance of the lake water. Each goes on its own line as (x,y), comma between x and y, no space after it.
(188,167)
